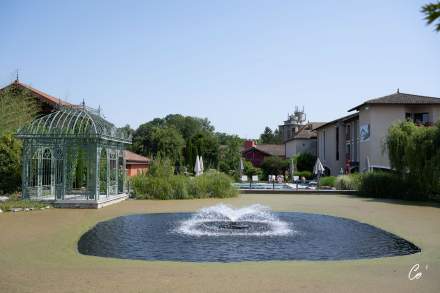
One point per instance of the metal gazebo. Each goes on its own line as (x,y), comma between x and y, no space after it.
(73,155)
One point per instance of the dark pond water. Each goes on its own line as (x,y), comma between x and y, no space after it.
(312,237)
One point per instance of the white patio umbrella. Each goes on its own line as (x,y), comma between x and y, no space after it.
(319,168)
(292,168)
(202,168)
(197,167)
(367,163)
(241,166)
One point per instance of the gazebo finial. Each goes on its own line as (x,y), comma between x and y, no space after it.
(83,104)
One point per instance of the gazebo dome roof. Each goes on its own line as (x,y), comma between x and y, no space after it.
(73,122)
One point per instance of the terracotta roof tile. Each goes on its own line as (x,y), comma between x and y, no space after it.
(270,149)
(131,157)
(42,95)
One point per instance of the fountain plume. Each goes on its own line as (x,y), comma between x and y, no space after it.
(224,220)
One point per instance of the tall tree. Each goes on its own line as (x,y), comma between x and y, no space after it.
(229,152)
(152,140)
(168,142)
(127,130)
(269,136)
(219,150)
(432,13)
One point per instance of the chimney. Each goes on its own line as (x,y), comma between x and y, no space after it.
(249,143)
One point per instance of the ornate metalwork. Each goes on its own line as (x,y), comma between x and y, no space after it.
(73,154)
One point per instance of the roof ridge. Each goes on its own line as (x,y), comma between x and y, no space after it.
(400,94)
(43,94)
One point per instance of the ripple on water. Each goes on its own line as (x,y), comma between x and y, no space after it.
(259,235)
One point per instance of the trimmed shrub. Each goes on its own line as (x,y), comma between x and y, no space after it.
(305,162)
(327,181)
(274,166)
(348,182)
(306,174)
(389,185)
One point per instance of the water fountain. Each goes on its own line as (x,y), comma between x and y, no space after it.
(222,233)
(222,220)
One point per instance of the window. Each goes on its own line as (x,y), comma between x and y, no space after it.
(421,118)
(324,143)
(355,141)
(348,152)
(337,143)
(348,132)
(418,118)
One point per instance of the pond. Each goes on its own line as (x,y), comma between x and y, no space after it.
(223,234)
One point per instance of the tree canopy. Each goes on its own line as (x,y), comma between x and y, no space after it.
(182,138)
(274,166)
(432,13)
(305,162)
(270,137)
(414,153)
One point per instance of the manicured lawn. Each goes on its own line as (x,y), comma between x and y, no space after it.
(38,252)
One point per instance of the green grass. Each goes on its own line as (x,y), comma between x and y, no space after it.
(17,203)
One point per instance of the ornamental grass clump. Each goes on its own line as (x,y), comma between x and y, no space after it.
(161,183)
(214,184)
(348,182)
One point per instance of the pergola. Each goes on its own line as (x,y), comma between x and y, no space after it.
(73,154)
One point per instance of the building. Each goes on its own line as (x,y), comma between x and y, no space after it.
(338,143)
(256,153)
(136,164)
(357,142)
(299,136)
(46,103)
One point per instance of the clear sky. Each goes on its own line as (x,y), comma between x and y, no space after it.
(242,64)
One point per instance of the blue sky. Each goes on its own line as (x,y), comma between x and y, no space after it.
(242,64)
